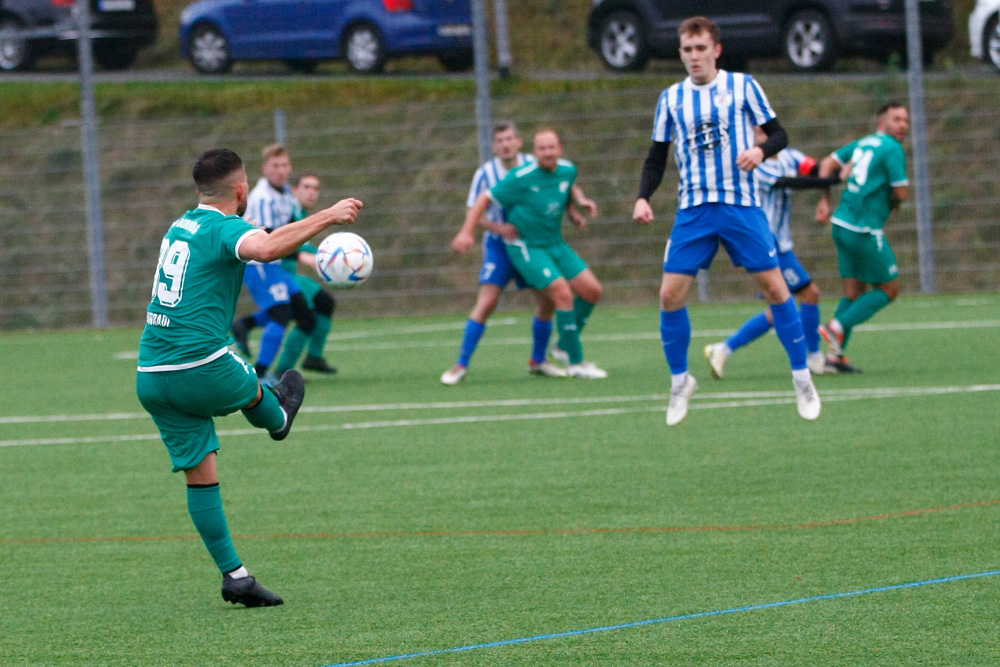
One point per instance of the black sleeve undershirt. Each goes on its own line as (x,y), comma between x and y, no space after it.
(653,168)
(777,138)
(803,182)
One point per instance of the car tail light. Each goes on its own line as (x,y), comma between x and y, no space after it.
(63,3)
(398,5)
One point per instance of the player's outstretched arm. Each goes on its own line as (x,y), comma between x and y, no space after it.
(287,239)
(466,237)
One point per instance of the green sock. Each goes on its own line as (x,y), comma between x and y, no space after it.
(268,413)
(844,304)
(317,340)
(205,507)
(569,335)
(582,310)
(863,308)
(295,342)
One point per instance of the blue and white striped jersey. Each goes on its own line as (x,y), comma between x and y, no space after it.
(777,202)
(709,126)
(487,176)
(269,207)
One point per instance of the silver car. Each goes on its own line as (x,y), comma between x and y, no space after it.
(984,32)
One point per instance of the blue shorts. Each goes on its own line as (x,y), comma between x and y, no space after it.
(269,284)
(497,267)
(699,230)
(793,272)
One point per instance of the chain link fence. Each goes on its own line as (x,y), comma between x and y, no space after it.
(412,163)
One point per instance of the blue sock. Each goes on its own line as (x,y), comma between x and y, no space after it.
(270,343)
(809,314)
(751,330)
(788,326)
(261,318)
(675,332)
(473,332)
(541,331)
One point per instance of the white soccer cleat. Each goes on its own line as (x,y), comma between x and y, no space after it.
(717,354)
(816,362)
(454,376)
(586,370)
(560,355)
(807,399)
(680,398)
(547,368)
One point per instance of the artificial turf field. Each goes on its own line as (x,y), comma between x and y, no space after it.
(517,520)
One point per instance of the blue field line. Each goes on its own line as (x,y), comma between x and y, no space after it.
(669,619)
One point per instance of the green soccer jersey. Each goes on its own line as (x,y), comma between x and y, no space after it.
(878,164)
(535,201)
(198,281)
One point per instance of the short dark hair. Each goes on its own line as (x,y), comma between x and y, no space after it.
(887,107)
(213,167)
(699,24)
(503,126)
(295,179)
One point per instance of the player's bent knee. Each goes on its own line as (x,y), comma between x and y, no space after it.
(324,304)
(808,294)
(304,316)
(281,313)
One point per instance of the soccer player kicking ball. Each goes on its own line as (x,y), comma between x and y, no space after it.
(876,186)
(710,117)
(536,198)
(187,375)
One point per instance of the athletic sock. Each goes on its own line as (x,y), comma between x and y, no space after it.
(751,330)
(675,332)
(317,339)
(267,413)
(473,332)
(205,507)
(809,314)
(863,309)
(270,343)
(788,326)
(582,310)
(569,335)
(541,332)
(295,342)
(844,304)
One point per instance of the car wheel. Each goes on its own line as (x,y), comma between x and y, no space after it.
(115,58)
(210,50)
(991,42)
(457,62)
(364,49)
(15,51)
(623,42)
(809,41)
(302,65)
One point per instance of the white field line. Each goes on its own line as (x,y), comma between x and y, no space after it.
(643,335)
(719,400)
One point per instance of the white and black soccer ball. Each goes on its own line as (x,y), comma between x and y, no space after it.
(344,260)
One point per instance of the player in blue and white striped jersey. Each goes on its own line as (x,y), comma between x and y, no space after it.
(497,270)
(710,118)
(775,178)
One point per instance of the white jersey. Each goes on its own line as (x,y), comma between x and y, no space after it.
(777,202)
(269,207)
(487,176)
(710,125)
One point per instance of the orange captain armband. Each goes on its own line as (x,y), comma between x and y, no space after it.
(806,166)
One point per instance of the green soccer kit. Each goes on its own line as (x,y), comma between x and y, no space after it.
(878,164)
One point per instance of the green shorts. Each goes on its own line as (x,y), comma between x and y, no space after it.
(865,256)
(182,404)
(540,266)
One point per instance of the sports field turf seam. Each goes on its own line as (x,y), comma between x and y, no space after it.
(528,532)
(668,619)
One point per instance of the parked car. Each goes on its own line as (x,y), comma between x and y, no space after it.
(812,34)
(365,33)
(984,31)
(33,28)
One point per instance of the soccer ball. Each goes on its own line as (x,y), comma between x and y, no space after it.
(344,260)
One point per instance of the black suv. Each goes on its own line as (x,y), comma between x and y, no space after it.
(32,28)
(810,33)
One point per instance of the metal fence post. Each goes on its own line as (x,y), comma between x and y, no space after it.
(280,128)
(481,45)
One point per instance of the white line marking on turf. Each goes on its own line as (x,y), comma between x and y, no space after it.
(720,400)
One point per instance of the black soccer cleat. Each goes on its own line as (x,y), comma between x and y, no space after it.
(835,364)
(241,334)
(291,390)
(248,592)
(318,364)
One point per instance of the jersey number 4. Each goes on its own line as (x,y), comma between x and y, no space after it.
(170,269)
